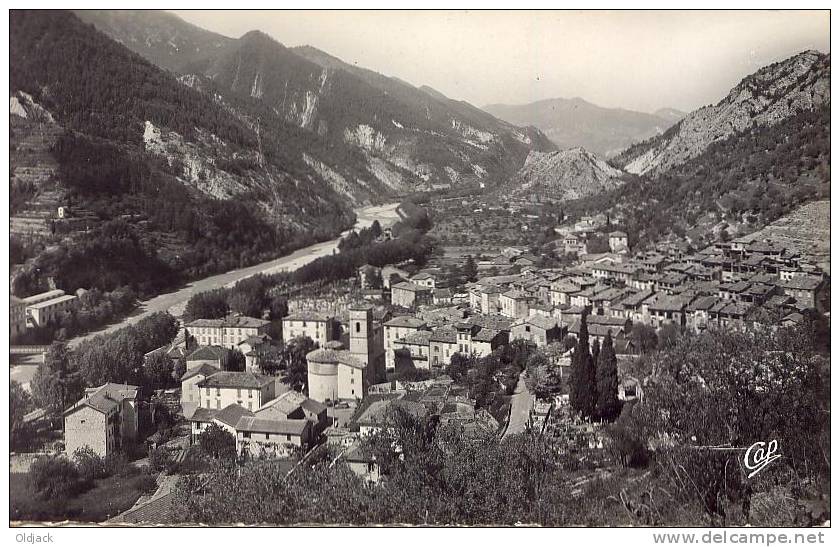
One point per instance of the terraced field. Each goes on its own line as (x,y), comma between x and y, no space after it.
(807,229)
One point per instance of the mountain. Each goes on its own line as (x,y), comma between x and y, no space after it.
(565,174)
(163,38)
(575,122)
(164,173)
(379,136)
(765,98)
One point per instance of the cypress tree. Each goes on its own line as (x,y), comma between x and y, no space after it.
(607,406)
(582,381)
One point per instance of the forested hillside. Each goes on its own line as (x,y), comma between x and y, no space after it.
(146,158)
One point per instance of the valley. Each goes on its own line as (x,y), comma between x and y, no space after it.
(256,282)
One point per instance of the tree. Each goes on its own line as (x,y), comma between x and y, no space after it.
(217,443)
(644,337)
(161,458)
(234,361)
(293,359)
(668,335)
(56,384)
(278,308)
(207,305)
(89,464)
(158,371)
(729,389)
(582,387)
(607,405)
(376,229)
(246,302)
(470,269)
(268,360)
(544,378)
(20,403)
(179,369)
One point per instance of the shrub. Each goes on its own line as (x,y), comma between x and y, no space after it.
(89,464)
(116,463)
(146,483)
(56,478)
(160,458)
(217,443)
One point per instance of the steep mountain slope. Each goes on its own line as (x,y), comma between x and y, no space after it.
(565,174)
(575,122)
(765,98)
(382,136)
(163,38)
(202,189)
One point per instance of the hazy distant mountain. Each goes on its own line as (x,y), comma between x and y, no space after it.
(565,174)
(671,114)
(575,122)
(382,136)
(765,98)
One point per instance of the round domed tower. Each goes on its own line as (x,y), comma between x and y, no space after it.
(322,367)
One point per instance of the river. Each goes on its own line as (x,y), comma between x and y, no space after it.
(175,301)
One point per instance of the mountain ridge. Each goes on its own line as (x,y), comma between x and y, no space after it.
(802,81)
(398,138)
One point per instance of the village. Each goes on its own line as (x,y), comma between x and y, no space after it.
(392,338)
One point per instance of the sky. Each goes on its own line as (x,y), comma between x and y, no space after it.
(639,60)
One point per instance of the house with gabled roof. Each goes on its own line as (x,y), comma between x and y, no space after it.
(408,294)
(190,393)
(105,419)
(247,389)
(810,289)
(293,405)
(317,326)
(413,347)
(226,332)
(538,329)
(665,309)
(514,304)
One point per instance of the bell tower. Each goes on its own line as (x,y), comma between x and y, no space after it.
(361,327)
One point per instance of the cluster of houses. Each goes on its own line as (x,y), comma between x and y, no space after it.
(728,285)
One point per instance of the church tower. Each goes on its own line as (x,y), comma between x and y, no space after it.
(366,342)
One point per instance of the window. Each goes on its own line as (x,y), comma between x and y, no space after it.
(218,404)
(267,436)
(207,391)
(246,434)
(250,394)
(351,380)
(358,327)
(238,393)
(218,392)
(207,404)
(288,437)
(250,405)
